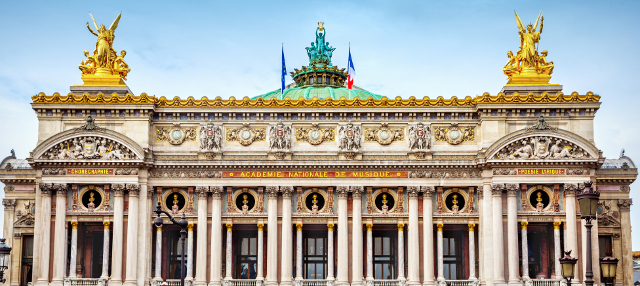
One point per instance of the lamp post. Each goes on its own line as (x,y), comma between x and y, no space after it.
(182,223)
(568,266)
(5,250)
(588,199)
(608,267)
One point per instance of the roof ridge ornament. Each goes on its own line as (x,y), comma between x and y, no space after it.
(541,124)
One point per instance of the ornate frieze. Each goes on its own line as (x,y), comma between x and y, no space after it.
(89,148)
(315,135)
(175,134)
(210,137)
(384,134)
(246,135)
(541,147)
(126,171)
(439,173)
(454,134)
(182,173)
(505,171)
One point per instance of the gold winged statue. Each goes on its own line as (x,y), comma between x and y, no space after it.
(527,66)
(104,67)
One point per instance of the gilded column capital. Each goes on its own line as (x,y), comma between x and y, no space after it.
(570,190)
(412,191)
(439,226)
(202,192)
(190,227)
(625,204)
(272,191)
(524,224)
(428,191)
(106,224)
(299,226)
(343,191)
(369,226)
(556,224)
(400,226)
(216,191)
(229,226)
(260,226)
(330,226)
(118,190)
(9,204)
(159,228)
(133,189)
(74,224)
(471,226)
(286,191)
(356,191)
(496,189)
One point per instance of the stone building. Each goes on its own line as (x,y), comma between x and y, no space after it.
(318,185)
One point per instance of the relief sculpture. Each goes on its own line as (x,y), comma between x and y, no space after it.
(541,147)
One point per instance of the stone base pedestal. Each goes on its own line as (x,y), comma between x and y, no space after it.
(552,89)
(106,90)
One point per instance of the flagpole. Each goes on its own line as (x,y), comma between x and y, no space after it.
(348,69)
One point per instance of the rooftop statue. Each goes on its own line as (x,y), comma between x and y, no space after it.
(104,66)
(320,52)
(527,62)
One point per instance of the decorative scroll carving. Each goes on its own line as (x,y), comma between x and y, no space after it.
(496,189)
(118,189)
(349,138)
(176,134)
(512,189)
(420,137)
(286,191)
(625,204)
(26,216)
(608,217)
(625,188)
(541,124)
(315,135)
(436,173)
(427,190)
(246,135)
(185,174)
(272,191)
(505,171)
(210,137)
(216,191)
(9,204)
(454,134)
(280,138)
(356,191)
(541,147)
(133,189)
(343,191)
(577,171)
(90,125)
(202,191)
(570,189)
(384,135)
(89,147)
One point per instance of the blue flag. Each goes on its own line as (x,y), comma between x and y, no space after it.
(284,73)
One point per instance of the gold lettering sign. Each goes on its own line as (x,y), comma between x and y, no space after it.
(540,171)
(89,171)
(271,174)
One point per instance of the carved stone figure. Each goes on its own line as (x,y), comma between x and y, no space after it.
(541,147)
(210,137)
(26,216)
(279,137)
(349,138)
(420,137)
(89,147)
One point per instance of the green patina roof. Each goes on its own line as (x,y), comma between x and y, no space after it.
(319,92)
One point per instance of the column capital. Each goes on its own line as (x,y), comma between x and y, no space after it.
(159,228)
(216,191)
(496,189)
(299,226)
(272,191)
(570,190)
(229,226)
(439,226)
(61,193)
(343,191)
(512,189)
(9,204)
(260,226)
(524,224)
(74,224)
(356,191)
(190,227)
(471,226)
(133,189)
(286,191)
(106,224)
(427,190)
(330,226)
(412,191)
(369,226)
(118,190)
(400,226)
(625,204)
(202,191)
(46,188)
(556,224)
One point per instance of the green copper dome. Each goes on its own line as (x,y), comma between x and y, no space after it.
(321,93)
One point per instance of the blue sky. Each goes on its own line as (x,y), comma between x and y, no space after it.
(399,48)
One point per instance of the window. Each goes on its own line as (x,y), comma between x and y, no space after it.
(384,255)
(27,259)
(605,245)
(246,245)
(452,255)
(315,255)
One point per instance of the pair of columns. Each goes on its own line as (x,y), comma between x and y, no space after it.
(73,257)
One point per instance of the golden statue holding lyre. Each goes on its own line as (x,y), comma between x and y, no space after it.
(527,66)
(104,67)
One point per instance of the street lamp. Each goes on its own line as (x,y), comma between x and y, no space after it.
(568,266)
(608,265)
(588,199)
(182,223)
(5,250)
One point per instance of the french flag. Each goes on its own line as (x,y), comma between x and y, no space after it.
(351,72)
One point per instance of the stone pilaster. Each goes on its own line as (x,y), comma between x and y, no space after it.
(427,232)
(59,240)
(132,235)
(343,237)
(201,255)
(287,237)
(498,239)
(472,252)
(216,236)
(45,238)
(401,251)
(16,251)
(272,236)
(144,231)
(480,191)
(356,249)
(626,262)
(9,219)
(487,234)
(74,249)
(512,234)
(413,256)
(118,234)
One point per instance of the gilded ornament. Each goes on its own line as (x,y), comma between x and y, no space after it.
(454,134)
(246,135)
(384,135)
(315,135)
(175,135)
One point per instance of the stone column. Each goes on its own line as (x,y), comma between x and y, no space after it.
(45,247)
(229,252)
(440,252)
(571,234)
(158,273)
(201,254)
(216,236)
(132,235)
(512,234)
(7,233)
(105,251)
(73,257)
(59,240)
(427,233)
(15,263)
(287,238)
(401,251)
(260,264)
(144,231)
(498,239)
(343,237)
(626,263)
(330,275)
(356,235)
(299,251)
(272,236)
(189,253)
(525,252)
(487,234)
(472,252)
(480,192)
(413,275)
(118,234)
(556,249)
(369,252)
